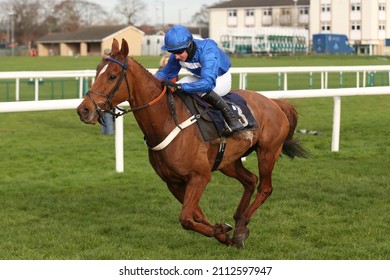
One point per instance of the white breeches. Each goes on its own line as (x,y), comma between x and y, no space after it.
(223,83)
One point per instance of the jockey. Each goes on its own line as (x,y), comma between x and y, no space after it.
(209,66)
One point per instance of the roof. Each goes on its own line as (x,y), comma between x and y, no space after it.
(258,3)
(152,30)
(88,34)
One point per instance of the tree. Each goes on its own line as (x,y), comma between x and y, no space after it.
(131,10)
(34,18)
(24,16)
(70,15)
(201,19)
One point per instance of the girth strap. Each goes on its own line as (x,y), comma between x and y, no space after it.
(220,153)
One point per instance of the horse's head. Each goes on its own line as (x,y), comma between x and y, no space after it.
(110,88)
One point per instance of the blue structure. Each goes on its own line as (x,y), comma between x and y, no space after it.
(331,44)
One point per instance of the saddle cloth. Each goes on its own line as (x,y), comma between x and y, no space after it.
(212,123)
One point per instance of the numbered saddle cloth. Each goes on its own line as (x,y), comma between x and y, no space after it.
(212,123)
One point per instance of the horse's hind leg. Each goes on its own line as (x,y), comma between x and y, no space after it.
(266,162)
(249,181)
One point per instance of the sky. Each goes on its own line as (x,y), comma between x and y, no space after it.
(175,11)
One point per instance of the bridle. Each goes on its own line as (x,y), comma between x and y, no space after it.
(114,90)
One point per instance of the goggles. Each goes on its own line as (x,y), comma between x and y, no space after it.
(178,51)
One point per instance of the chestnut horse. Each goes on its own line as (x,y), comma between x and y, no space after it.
(185,163)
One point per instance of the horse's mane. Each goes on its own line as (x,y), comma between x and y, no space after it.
(142,67)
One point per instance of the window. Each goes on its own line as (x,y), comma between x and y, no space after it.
(325,8)
(267,12)
(355,26)
(382,6)
(355,7)
(325,26)
(304,11)
(381,26)
(250,12)
(232,18)
(267,17)
(232,13)
(250,17)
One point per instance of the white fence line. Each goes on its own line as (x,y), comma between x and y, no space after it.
(83,75)
(23,106)
(323,70)
(336,94)
(37,76)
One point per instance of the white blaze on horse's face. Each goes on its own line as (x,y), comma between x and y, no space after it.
(103,69)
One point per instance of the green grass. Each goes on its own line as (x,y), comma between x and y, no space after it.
(60,197)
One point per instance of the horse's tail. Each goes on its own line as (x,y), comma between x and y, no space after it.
(291,147)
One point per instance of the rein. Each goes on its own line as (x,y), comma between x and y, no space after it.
(114,90)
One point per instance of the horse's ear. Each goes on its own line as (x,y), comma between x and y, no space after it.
(115,46)
(124,48)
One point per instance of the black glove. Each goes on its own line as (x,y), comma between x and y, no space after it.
(171,85)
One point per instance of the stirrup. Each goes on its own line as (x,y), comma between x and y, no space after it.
(229,131)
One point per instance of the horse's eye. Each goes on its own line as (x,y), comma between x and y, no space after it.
(112,77)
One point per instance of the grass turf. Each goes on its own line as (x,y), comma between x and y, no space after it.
(60,197)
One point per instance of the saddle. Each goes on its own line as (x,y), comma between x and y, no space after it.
(211,122)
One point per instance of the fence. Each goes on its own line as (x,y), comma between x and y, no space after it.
(336,93)
(37,77)
(365,76)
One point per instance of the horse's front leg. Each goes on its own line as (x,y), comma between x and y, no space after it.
(192,218)
(221,230)
(178,190)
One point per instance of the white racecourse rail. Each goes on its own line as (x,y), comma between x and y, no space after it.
(36,105)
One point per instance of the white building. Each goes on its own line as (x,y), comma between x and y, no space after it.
(246,26)
(365,22)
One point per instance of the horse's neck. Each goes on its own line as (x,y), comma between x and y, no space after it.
(154,117)
(146,87)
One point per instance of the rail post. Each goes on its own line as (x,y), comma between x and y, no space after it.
(119,155)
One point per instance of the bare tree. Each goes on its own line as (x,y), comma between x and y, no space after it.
(24,16)
(201,19)
(34,18)
(131,10)
(91,13)
(68,16)
(73,14)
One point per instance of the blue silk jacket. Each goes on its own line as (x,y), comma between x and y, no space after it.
(208,63)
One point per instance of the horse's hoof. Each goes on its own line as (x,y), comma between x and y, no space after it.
(227,227)
(238,244)
(224,239)
(222,228)
(239,238)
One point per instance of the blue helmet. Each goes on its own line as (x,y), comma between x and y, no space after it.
(176,38)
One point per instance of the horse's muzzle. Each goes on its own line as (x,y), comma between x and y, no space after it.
(87,115)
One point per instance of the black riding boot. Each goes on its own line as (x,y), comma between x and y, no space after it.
(231,119)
